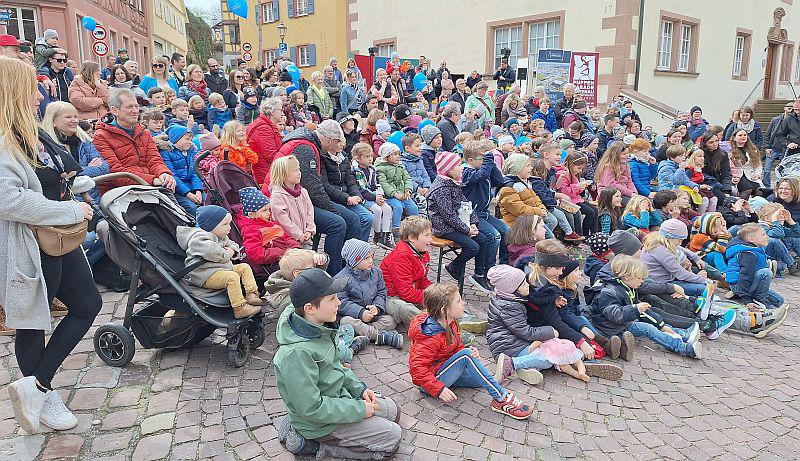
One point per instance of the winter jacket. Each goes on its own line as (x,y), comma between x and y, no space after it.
(755,134)
(200,117)
(319,98)
(181,164)
(406,273)
(91,103)
(43,52)
(338,179)
(722,174)
(604,138)
(602,274)
(203,245)
(319,393)
(449,132)
(477,184)
(770,139)
(517,198)
(135,153)
(641,175)
(428,159)
(672,176)
(508,331)
(702,242)
(363,289)
(429,350)
(367,179)
(264,138)
(377,142)
(242,155)
(444,200)
(696,128)
(624,183)
(257,252)
(277,289)
(520,255)
(572,116)
(216,83)
(62,80)
(542,310)
(591,268)
(246,114)
(393,178)
(219,117)
(545,194)
(744,260)
(736,218)
(231,98)
(663,266)
(645,221)
(86,152)
(614,308)
(550,122)
(509,77)
(416,169)
(294,214)
(304,145)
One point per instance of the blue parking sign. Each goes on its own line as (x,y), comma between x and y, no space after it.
(283,48)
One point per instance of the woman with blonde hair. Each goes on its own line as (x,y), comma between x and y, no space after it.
(34,193)
(195,84)
(88,93)
(159,76)
(318,97)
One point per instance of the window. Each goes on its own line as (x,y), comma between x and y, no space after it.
(81,40)
(159,48)
(232,33)
(113,42)
(741,54)
(786,62)
(686,46)
(542,36)
(738,55)
(268,12)
(303,56)
(270,56)
(300,7)
(385,50)
(507,37)
(23,24)
(665,45)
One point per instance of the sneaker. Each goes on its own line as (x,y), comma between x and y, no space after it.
(628,346)
(473,324)
(722,323)
(794,269)
(4,330)
(480,284)
(604,370)
(704,301)
(505,368)
(452,272)
(467,338)
(531,376)
(694,350)
(770,320)
(57,308)
(55,414)
(573,237)
(773,267)
(293,441)
(359,343)
(27,401)
(389,338)
(692,334)
(385,240)
(510,405)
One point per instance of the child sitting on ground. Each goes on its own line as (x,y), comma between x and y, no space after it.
(660,254)
(600,255)
(665,204)
(330,411)
(405,269)
(397,186)
(609,210)
(219,113)
(293,262)
(709,239)
(522,238)
(180,161)
(550,199)
(209,242)
(372,193)
(291,205)
(235,148)
(639,214)
(438,361)
(779,226)
(364,297)
(263,239)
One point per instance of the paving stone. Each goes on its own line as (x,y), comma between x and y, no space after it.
(63,447)
(153,447)
(120,420)
(88,399)
(111,442)
(157,423)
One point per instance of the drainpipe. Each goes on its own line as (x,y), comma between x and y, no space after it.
(639,45)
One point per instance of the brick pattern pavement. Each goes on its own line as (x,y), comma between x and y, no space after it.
(739,402)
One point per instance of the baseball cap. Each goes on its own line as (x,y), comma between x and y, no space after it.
(343,117)
(8,40)
(312,284)
(401,112)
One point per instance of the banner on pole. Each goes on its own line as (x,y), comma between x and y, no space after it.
(583,74)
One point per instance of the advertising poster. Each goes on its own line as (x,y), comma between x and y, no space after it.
(583,74)
(553,72)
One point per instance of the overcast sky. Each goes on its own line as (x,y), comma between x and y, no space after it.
(203,4)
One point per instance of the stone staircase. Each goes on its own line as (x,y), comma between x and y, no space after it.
(765,109)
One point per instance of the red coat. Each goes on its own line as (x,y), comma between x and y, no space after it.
(265,139)
(406,273)
(135,154)
(429,350)
(257,252)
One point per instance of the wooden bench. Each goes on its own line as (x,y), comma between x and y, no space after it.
(446,246)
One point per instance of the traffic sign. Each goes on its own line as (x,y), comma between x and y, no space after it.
(5,16)
(247,56)
(100,48)
(99,33)
(283,47)
(246,46)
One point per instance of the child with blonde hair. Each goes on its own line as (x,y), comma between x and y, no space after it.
(293,262)
(780,227)
(639,214)
(219,113)
(291,205)
(694,170)
(668,262)
(234,146)
(197,109)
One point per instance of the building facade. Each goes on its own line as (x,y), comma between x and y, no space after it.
(125,21)
(666,55)
(168,27)
(315,32)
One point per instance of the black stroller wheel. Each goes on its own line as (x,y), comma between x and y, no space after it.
(256,335)
(114,344)
(238,357)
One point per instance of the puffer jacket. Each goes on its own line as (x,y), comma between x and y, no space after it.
(550,122)
(405,272)
(246,113)
(363,288)
(181,164)
(429,350)
(542,310)
(744,260)
(277,288)
(641,174)
(338,179)
(294,214)
(508,331)
(203,245)
(92,103)
(603,274)
(393,178)
(242,155)
(614,308)
(416,169)
(265,139)
(516,198)
(671,176)
(444,199)
(135,154)
(367,179)
(257,253)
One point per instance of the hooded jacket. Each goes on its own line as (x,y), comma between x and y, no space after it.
(62,80)
(550,122)
(614,309)
(265,139)
(181,164)
(277,288)
(744,260)
(363,289)
(135,153)
(444,200)
(319,393)
(258,253)
(393,178)
(91,103)
(663,265)
(508,331)
(415,167)
(517,198)
(604,275)
(405,272)
(672,176)
(429,350)
(203,245)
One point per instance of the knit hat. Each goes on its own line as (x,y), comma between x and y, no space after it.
(505,279)
(551,260)
(559,133)
(624,243)
(8,40)
(209,217)
(674,229)
(387,149)
(510,122)
(250,92)
(569,268)
(176,132)
(628,139)
(428,132)
(284,76)
(566,144)
(495,130)
(598,243)
(209,141)
(382,126)
(515,163)
(695,109)
(401,112)
(504,139)
(330,129)
(445,162)
(252,199)
(413,123)
(522,140)
(50,33)
(354,251)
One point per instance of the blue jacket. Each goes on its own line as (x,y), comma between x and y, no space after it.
(350,98)
(545,193)
(778,230)
(363,288)
(428,157)
(416,169)
(744,260)
(86,153)
(550,123)
(219,117)
(672,176)
(477,184)
(641,174)
(645,220)
(755,134)
(182,168)
(149,82)
(695,131)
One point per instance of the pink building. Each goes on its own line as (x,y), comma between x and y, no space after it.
(124,20)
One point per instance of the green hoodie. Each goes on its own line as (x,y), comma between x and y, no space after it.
(319,393)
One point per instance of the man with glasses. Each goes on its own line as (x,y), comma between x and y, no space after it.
(786,141)
(56,70)
(215,77)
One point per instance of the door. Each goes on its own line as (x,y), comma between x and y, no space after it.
(769,71)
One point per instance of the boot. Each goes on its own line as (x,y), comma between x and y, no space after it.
(395,235)
(628,346)
(254,299)
(245,310)
(389,338)
(4,330)
(377,238)
(611,346)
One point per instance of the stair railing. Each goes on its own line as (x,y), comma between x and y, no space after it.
(744,103)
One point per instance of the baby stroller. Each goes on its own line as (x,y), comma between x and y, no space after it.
(139,235)
(789,167)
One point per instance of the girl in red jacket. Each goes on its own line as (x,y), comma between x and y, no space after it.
(438,360)
(264,240)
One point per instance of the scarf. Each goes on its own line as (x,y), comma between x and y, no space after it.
(448,178)
(249,106)
(198,87)
(748,127)
(338,157)
(295,191)
(72,142)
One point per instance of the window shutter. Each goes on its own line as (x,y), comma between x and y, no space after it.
(312,55)
(275,10)
(310,6)
(290,8)
(293,53)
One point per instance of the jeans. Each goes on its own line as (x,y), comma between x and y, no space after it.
(94,248)
(717,260)
(187,204)
(691,289)
(777,250)
(470,247)
(672,343)
(557,217)
(525,361)
(335,229)
(495,232)
(381,216)
(358,219)
(464,370)
(397,209)
(793,245)
(759,289)
(769,162)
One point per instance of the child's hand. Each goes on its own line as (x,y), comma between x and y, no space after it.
(367,316)
(678,292)
(399,196)
(371,408)
(305,237)
(229,252)
(474,352)
(320,259)
(353,200)
(534,345)
(703,274)
(668,330)
(380,199)
(447,395)
(373,308)
(369,396)
(422,191)
(588,350)
(473,230)
(561,301)
(642,307)
(705,186)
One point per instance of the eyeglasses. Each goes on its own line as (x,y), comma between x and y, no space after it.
(239,77)
(158,66)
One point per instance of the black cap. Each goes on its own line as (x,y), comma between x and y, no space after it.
(401,112)
(312,284)
(343,117)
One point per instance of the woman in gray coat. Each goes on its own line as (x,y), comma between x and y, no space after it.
(29,279)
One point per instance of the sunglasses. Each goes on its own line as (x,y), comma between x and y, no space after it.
(59,60)
(158,66)
(239,77)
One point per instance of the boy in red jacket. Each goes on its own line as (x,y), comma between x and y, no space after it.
(405,269)
(263,240)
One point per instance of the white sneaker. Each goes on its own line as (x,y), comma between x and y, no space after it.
(55,414)
(27,402)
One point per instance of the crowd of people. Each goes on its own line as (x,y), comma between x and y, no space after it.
(684,230)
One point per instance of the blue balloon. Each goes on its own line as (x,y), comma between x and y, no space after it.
(89,23)
(238,7)
(294,72)
(420,81)
(425,123)
(396,138)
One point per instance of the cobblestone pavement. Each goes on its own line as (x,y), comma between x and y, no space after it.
(739,402)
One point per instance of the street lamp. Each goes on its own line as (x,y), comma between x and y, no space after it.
(282,31)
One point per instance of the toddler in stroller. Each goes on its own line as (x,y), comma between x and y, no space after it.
(209,241)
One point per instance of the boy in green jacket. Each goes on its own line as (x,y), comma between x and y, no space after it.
(330,411)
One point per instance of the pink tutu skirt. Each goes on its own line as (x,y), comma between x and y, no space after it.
(559,351)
